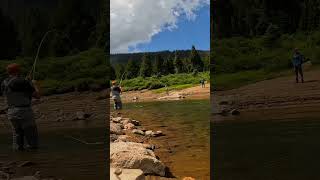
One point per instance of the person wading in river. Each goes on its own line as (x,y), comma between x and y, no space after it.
(19,92)
(115,95)
(297,61)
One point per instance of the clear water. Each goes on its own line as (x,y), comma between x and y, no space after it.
(185,148)
(255,149)
(61,156)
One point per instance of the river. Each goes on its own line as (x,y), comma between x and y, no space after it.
(185,146)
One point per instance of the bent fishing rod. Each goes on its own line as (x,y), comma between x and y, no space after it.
(33,69)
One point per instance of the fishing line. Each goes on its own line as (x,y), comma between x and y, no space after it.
(33,69)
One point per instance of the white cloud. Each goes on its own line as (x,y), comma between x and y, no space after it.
(136,21)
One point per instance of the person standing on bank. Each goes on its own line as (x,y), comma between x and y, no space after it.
(297,61)
(19,92)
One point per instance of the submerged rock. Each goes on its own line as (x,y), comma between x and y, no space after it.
(135,156)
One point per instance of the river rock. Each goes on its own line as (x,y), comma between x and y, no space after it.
(80,115)
(126,121)
(149,133)
(135,156)
(115,129)
(139,132)
(117,119)
(129,126)
(135,122)
(158,133)
(127,174)
(122,138)
(149,146)
(113,137)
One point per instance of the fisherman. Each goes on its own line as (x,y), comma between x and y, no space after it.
(202,82)
(19,92)
(297,61)
(115,95)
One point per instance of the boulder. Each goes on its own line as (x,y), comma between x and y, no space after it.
(115,129)
(126,174)
(135,156)
(139,132)
(129,126)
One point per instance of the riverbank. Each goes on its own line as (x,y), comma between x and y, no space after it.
(278,94)
(190,93)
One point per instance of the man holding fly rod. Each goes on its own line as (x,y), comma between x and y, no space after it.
(19,92)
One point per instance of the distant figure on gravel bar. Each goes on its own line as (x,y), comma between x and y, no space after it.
(203,83)
(19,92)
(297,61)
(115,95)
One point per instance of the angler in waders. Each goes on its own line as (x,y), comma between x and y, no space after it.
(297,61)
(19,92)
(115,95)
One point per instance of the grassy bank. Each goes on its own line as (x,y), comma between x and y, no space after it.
(87,70)
(240,61)
(172,81)
(238,79)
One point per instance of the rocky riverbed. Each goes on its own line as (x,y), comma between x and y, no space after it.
(132,156)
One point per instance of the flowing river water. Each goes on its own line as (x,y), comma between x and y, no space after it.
(185,146)
(270,145)
(60,155)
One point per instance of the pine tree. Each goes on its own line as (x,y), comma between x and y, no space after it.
(10,45)
(158,65)
(120,69)
(178,64)
(195,60)
(146,66)
(132,69)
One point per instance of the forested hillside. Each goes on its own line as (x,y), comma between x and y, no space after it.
(254,17)
(254,39)
(74,52)
(78,24)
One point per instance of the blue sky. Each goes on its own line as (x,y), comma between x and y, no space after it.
(143,25)
(188,32)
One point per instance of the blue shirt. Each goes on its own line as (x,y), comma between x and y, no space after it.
(297,60)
